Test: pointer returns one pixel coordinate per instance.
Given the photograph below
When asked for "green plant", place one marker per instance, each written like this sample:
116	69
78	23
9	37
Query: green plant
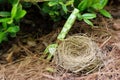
9	20
87	9
70	9
91	7
56	8
83	10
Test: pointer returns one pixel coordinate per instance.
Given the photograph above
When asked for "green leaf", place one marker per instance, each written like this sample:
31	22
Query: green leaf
5	19
97	6
69	2
83	5
14	8
13	29
52	3
51	49
13	11
79	17
21	14
4	25
89	15
88	22
105	13
3	36
96	1
10	21
64	7
46	8
14	2
103	2
90	3
4	14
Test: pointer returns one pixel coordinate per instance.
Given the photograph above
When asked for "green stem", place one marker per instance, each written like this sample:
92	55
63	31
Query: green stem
70	21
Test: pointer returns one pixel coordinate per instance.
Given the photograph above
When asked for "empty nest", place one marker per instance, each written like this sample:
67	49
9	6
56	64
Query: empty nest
78	54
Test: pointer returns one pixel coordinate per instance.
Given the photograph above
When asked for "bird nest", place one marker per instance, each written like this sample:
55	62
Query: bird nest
78	54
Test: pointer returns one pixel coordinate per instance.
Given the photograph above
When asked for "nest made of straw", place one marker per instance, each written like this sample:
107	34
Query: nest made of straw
78	53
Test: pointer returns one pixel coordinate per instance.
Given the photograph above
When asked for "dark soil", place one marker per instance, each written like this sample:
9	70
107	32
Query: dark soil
20	57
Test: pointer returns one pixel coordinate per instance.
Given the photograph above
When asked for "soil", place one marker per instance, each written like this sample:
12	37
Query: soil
21	57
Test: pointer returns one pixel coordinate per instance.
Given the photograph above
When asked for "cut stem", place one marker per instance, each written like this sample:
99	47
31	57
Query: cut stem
70	21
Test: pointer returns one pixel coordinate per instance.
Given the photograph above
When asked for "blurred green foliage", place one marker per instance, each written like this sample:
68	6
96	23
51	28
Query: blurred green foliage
87	8
9	19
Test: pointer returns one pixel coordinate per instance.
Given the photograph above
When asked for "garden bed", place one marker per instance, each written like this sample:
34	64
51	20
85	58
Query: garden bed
22	55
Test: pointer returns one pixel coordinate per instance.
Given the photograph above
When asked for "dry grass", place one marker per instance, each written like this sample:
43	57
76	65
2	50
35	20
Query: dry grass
33	68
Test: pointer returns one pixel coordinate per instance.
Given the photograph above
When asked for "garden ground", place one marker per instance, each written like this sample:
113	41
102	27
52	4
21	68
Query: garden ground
20	58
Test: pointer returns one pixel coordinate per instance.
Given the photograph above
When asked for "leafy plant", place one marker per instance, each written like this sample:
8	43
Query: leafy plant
70	9
56	8
92	6
83	10
9	20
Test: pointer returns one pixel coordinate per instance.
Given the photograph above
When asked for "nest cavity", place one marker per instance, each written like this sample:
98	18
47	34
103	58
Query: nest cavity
78	53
